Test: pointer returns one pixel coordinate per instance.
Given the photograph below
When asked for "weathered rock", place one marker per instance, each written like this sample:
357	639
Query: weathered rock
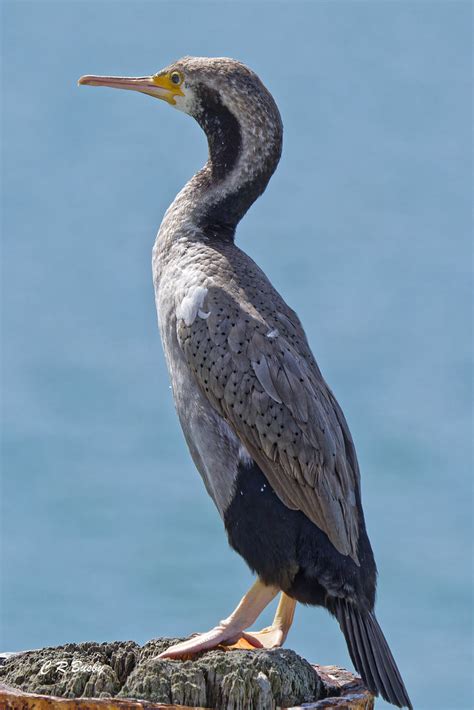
218	679
73	670
121	674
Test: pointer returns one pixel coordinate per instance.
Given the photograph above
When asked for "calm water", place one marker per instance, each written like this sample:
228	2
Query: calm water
107	530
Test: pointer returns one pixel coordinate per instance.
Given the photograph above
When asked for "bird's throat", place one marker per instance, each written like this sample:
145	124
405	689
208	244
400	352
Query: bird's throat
244	151
238	169
223	133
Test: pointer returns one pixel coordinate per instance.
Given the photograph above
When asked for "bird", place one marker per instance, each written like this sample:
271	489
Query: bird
263	428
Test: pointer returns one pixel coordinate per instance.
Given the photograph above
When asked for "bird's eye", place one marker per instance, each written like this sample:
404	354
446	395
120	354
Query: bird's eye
176	77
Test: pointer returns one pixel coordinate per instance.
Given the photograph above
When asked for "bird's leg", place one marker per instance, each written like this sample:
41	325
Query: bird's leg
274	636
229	631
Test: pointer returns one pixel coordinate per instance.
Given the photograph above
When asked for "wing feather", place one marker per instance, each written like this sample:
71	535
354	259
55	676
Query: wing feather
262	378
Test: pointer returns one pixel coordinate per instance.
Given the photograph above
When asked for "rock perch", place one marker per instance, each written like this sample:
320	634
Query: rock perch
122	675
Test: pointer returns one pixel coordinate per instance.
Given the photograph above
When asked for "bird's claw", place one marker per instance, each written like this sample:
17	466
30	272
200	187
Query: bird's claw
270	637
218	636
227	639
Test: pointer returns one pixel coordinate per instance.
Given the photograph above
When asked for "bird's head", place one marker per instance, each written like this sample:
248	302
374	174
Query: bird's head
191	83
236	111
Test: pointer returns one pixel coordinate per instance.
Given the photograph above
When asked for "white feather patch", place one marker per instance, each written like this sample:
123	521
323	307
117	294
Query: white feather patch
191	305
244	456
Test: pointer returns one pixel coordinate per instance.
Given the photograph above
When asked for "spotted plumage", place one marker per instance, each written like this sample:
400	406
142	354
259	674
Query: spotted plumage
271	392
264	430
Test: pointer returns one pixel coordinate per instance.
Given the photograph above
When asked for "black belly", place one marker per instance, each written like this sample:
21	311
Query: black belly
287	550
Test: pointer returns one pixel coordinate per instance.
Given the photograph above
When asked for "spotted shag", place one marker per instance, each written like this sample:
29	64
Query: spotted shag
264	430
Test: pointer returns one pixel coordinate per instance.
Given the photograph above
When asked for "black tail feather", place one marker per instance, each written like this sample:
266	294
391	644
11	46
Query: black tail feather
370	653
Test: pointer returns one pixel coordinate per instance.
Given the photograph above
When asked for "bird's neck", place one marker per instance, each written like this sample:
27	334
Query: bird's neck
242	158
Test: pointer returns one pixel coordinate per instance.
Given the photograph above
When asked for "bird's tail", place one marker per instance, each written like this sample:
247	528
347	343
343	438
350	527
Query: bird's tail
370	653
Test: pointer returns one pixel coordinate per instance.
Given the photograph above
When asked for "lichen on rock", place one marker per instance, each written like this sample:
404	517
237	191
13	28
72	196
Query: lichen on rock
237	680
225	680
93	670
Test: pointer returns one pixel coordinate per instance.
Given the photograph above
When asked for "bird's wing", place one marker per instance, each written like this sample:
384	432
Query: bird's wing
259	374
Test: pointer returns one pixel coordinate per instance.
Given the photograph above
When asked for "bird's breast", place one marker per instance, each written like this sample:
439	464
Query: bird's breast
215	449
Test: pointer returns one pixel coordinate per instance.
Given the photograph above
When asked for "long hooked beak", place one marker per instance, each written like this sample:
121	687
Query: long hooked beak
158	86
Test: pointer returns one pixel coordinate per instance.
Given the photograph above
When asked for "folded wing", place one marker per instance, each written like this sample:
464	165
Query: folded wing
260	375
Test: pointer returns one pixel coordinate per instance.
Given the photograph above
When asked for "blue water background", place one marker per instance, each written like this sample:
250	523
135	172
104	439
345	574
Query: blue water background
107	530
